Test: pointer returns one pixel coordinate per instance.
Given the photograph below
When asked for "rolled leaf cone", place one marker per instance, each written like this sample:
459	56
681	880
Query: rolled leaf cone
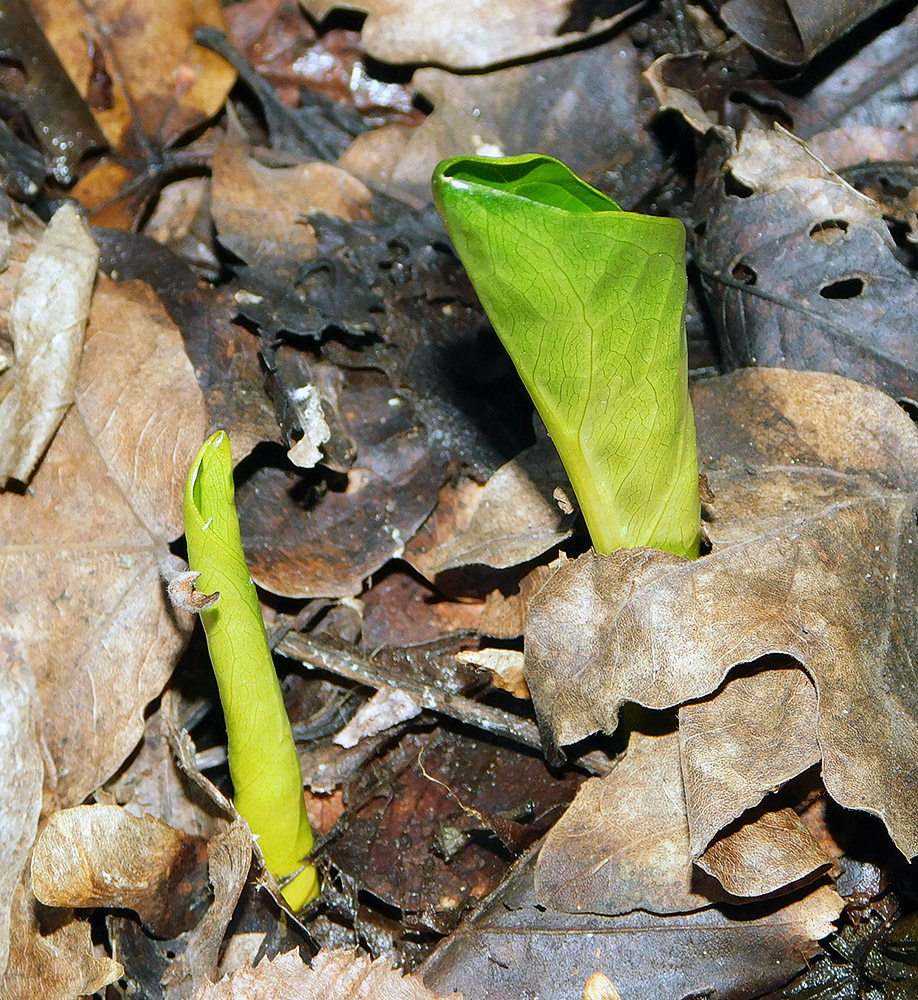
263	763
589	302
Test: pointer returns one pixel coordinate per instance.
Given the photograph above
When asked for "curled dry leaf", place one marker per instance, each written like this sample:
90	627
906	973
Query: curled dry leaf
509	520
802	273
20	790
471	36
47	320
624	845
333	975
815	556
85	608
765	856
55	957
105	856
729	766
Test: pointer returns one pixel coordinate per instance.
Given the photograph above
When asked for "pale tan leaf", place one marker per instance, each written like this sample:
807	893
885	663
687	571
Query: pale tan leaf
769	854
20	789
102	855
54	954
728	766
79	553
333	975
623	843
473	35
47	321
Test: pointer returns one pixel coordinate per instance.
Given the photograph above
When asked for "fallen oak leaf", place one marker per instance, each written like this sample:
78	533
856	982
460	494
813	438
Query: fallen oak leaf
624	845
832	582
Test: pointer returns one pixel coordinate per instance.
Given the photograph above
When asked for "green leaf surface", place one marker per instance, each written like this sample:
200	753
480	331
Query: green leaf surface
589	302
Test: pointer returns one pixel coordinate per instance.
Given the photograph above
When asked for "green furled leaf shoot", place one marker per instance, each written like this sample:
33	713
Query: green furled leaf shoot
589	302
263	764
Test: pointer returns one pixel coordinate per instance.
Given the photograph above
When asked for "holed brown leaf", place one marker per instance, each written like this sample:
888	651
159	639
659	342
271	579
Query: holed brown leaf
815	534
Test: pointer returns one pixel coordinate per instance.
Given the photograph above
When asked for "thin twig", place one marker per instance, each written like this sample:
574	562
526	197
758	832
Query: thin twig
322	656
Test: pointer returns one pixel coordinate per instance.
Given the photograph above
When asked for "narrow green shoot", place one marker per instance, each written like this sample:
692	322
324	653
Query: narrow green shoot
589	302
263	763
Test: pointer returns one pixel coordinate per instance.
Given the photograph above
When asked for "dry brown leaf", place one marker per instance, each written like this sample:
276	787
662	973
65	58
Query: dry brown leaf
47	320
624	845
85	607
55	958
465	36
260	212
804	273
793	31
105	856
334	975
229	859
513	947
825	465
767	855
20	789
509	520
729	766
147	48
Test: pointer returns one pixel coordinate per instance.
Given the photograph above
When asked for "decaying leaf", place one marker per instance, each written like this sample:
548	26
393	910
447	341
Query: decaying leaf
803	274
20	790
560	106
47	321
768	855
304	543
513	946
260	213
48	98
793	31
511	519
728	766
105	856
54	953
147	50
815	556
473	36
333	975
623	844
79	552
